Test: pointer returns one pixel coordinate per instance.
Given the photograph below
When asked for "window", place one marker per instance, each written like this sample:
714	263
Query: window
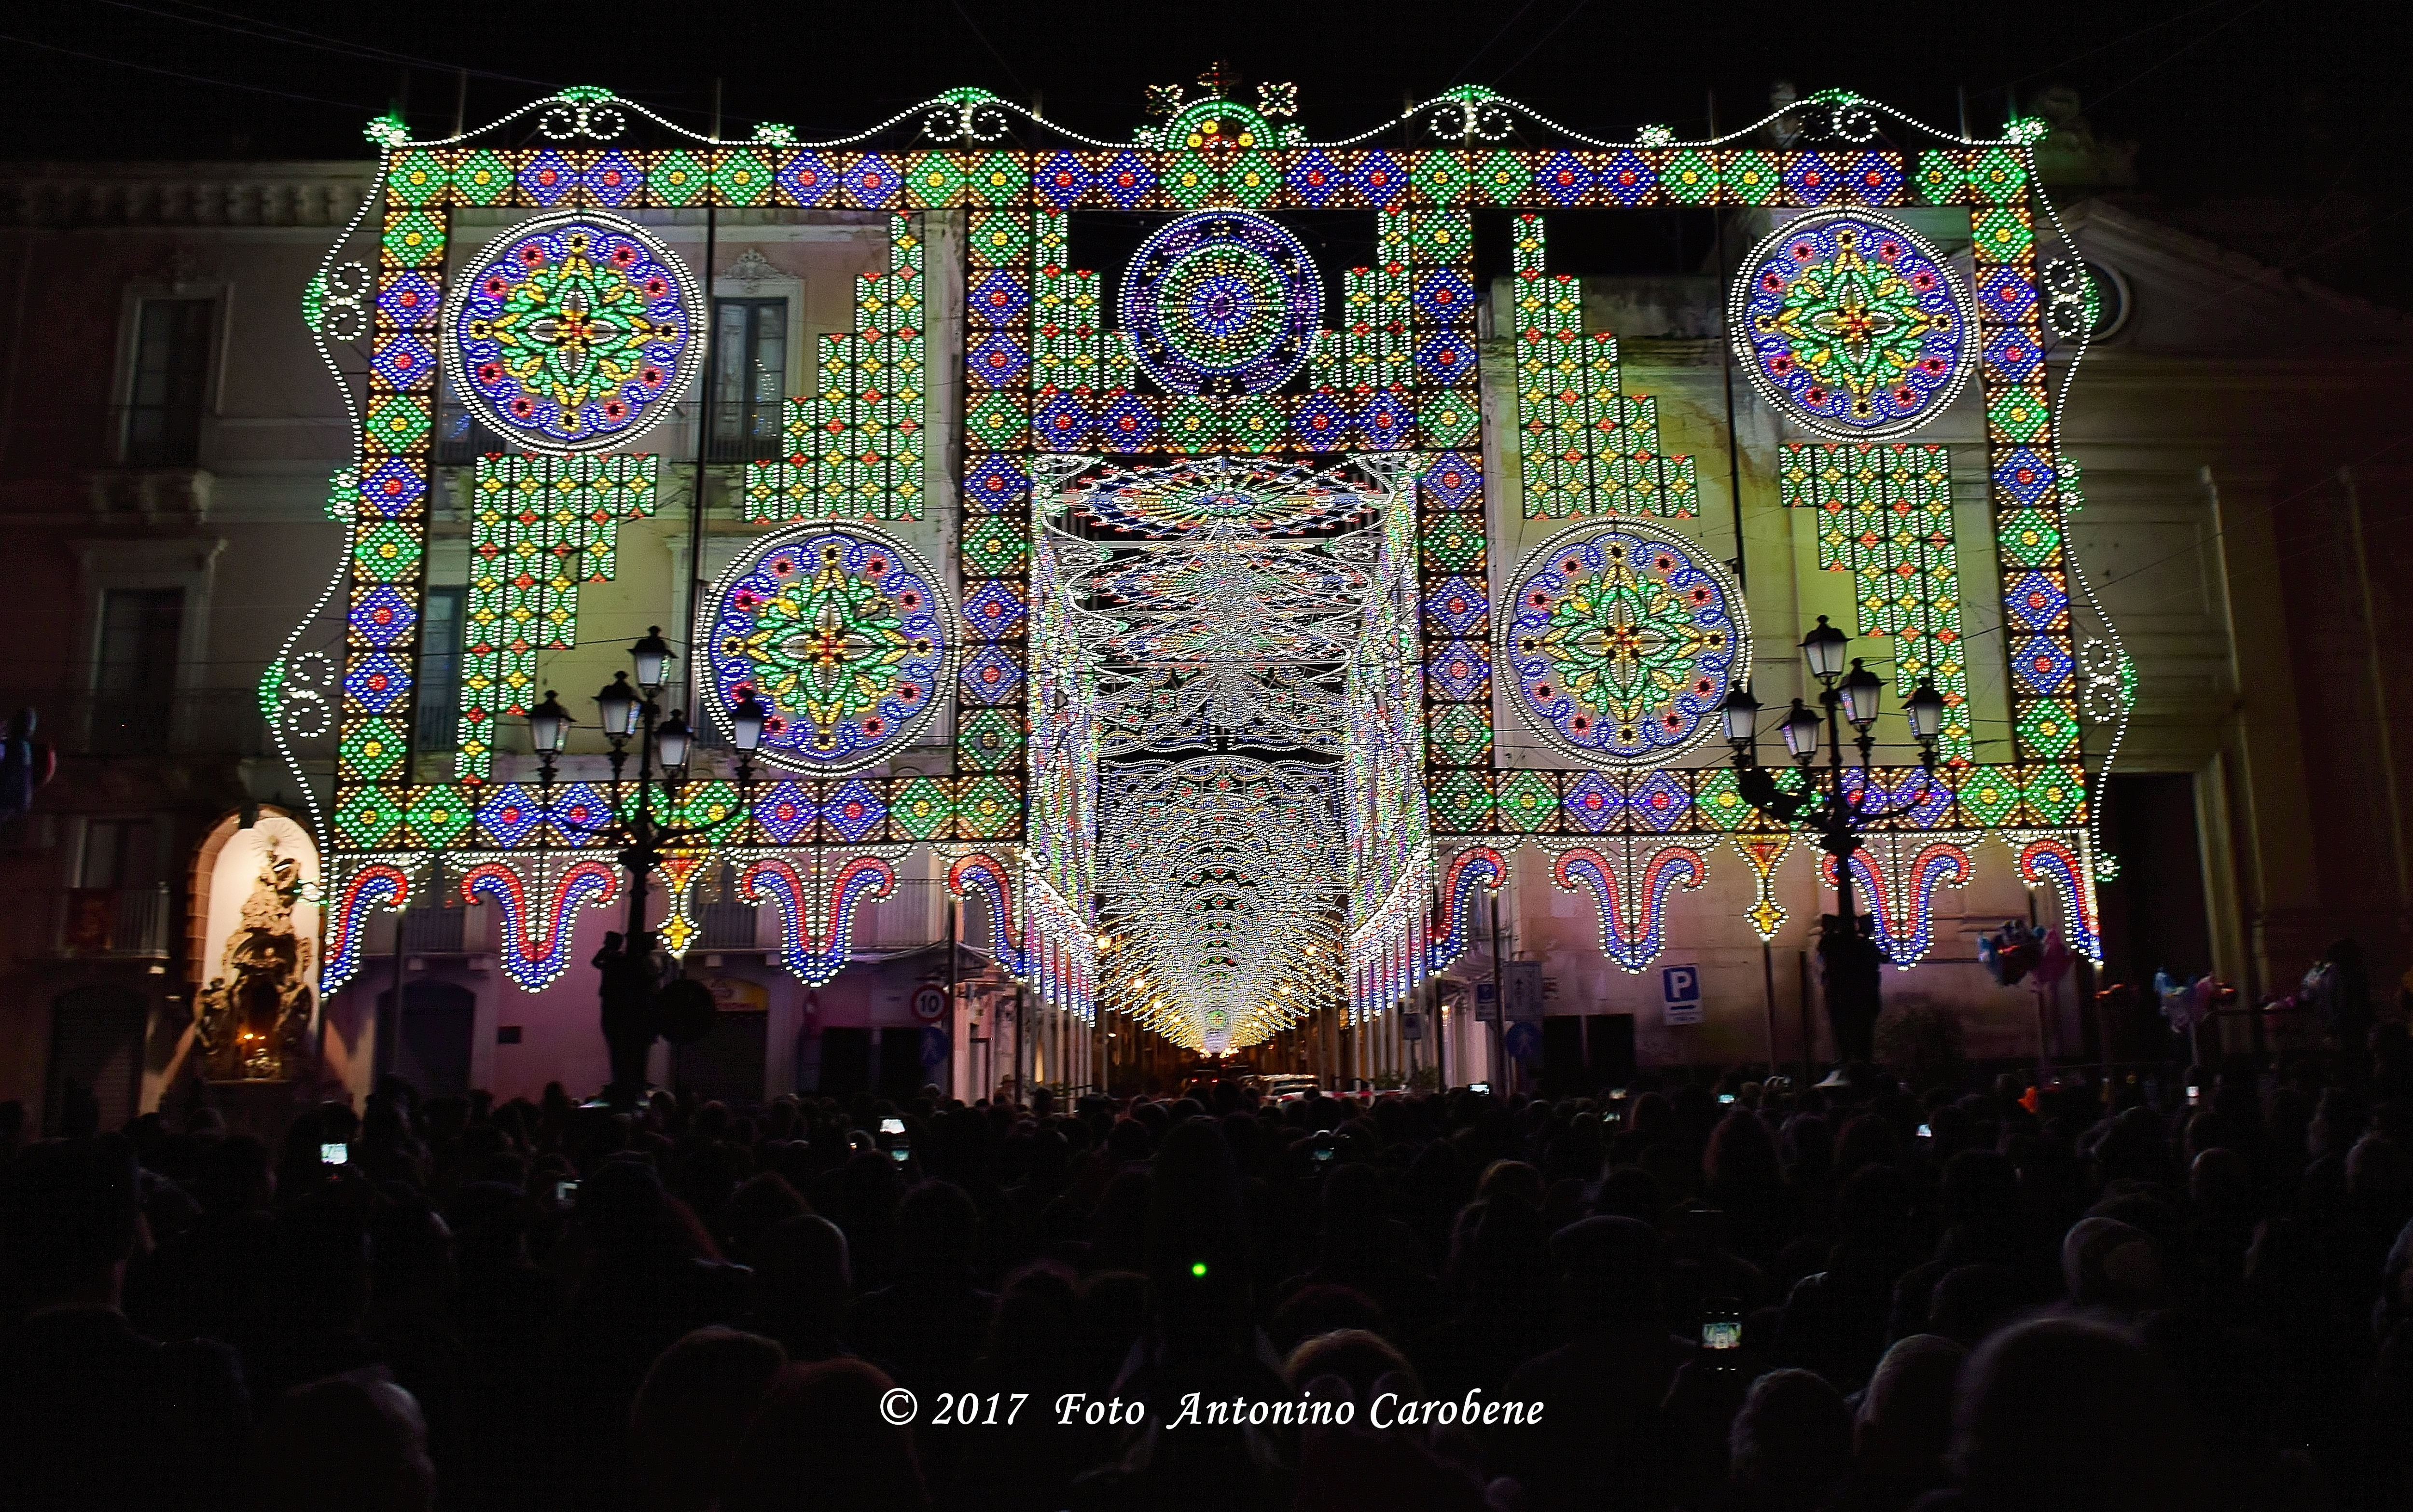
750	377
121	854
440	644
460	437
2110	302
134	679
171	365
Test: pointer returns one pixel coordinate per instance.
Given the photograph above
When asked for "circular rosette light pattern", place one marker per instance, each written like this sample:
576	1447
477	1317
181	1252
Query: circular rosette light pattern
1623	640
1853	324
572	333
1221	302
842	633
1258	494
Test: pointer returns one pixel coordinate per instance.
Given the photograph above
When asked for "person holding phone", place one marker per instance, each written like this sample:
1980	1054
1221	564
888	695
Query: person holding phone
1603	1442
894	1139
1721	1332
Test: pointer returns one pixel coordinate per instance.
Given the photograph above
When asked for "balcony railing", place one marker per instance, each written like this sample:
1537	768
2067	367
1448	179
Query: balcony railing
745	433
434	932
460	439
123	922
731	927
913	916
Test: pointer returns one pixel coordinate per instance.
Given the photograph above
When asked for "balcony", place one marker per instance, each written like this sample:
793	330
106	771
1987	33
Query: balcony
745	433
460	440
150	494
114	923
913	916
730	927
435	932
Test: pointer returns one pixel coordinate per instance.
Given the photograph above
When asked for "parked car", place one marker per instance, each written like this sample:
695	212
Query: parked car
1282	1089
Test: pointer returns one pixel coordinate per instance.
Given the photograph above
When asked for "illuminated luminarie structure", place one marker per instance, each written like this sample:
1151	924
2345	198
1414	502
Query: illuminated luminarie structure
1229	626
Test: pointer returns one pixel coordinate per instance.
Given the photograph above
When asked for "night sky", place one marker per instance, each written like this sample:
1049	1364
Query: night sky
2227	99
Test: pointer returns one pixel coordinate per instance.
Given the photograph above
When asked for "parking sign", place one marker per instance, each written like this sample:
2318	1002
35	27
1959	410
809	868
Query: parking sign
1680	993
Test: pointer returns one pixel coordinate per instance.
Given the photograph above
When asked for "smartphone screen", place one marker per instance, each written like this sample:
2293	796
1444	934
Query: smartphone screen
900	1152
334	1154
1720	1325
892	1125
1926	1131
1482	1087
564	1194
1725	1096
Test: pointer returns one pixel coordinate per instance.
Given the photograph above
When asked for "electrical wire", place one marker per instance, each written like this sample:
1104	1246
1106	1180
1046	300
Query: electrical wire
318	41
171	73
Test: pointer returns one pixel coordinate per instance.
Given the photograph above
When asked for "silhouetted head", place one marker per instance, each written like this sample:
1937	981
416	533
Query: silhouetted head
1791	1444
1904	1427
937	1229
1609	1268
349	1444
692	1414
2072	1414
2107	1263
67	1210
820	1440
1354	1356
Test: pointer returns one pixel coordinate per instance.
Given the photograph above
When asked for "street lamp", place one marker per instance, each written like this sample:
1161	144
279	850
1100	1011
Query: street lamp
1861	693
548	729
1925	706
629	978
1823	649
745	723
652	655
1741	712
619	705
671	741
1839	811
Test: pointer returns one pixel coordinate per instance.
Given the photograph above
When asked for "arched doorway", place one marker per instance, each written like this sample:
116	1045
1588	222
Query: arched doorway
96	1044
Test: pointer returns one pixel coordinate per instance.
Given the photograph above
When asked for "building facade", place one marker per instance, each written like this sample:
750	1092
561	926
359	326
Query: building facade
183	483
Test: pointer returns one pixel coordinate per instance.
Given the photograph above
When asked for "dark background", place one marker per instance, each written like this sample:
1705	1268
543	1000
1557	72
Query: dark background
2294	112
2217	94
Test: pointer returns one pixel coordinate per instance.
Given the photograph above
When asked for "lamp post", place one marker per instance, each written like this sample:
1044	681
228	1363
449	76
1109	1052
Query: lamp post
632	713
1832	812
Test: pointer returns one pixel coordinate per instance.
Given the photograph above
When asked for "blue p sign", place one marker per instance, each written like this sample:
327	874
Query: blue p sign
1680	993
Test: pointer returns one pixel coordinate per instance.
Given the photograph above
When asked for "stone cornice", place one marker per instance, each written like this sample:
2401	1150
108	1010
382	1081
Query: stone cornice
71	194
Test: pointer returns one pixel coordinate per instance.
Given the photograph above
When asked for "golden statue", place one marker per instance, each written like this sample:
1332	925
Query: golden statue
253	1017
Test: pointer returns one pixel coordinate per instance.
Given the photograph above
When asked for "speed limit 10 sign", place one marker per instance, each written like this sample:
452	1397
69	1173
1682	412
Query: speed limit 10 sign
929	1002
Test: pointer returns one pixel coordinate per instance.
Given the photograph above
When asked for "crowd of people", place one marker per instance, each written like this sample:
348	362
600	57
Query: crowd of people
1699	1291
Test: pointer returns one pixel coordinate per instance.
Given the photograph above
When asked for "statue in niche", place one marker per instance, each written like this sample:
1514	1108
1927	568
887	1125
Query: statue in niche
253	1019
